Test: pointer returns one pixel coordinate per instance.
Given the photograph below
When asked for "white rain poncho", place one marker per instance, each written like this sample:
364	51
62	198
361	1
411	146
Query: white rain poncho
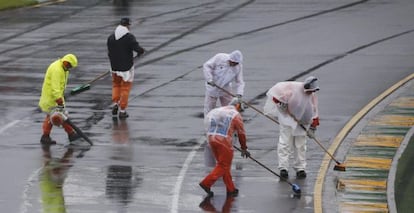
301	105
218	70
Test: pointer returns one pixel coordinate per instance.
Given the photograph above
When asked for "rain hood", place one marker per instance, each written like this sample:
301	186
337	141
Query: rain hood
120	31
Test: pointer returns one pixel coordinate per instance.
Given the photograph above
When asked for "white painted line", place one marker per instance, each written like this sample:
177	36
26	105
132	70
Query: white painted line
26	205
4	128
180	178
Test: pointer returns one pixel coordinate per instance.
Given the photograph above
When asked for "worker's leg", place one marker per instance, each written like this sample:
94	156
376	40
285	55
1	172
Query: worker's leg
300	153
116	88
209	103
125	90
46	129
225	160
284	147
219	169
47	125
225	99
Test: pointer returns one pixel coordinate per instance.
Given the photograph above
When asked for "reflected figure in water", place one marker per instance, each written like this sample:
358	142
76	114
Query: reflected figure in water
207	206
121	3
119	183
121	7
121	180
52	177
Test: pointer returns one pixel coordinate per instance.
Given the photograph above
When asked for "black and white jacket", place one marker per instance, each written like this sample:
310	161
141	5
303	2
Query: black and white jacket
121	45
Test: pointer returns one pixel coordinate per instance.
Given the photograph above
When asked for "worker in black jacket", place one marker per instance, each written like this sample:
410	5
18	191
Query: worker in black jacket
121	46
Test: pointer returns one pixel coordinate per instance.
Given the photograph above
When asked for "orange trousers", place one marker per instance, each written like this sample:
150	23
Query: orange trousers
47	126
224	157
120	91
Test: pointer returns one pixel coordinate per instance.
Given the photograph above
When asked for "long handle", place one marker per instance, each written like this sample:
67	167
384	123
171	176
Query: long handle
87	85
244	102
295	187
261	164
68	121
98	77
105	73
313	137
304	128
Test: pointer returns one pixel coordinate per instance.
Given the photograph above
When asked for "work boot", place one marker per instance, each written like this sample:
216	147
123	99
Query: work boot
73	136
301	174
233	193
46	140
284	174
123	115
207	190
115	110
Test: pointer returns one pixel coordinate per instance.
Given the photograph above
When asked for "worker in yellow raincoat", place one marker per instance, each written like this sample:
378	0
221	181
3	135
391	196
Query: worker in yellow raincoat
53	89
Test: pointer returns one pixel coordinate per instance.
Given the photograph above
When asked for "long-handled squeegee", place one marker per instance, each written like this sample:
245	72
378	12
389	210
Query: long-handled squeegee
87	85
338	167
295	187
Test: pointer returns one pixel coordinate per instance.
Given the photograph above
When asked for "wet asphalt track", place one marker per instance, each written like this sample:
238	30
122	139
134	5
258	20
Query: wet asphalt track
153	161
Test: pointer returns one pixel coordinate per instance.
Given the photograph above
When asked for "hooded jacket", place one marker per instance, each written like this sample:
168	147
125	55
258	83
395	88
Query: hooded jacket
54	85
218	70
121	45
303	106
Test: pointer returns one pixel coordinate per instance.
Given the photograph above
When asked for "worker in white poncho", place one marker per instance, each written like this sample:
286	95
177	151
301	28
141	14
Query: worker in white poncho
295	104
226	71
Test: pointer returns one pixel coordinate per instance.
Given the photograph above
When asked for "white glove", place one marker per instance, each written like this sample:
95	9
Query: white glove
63	110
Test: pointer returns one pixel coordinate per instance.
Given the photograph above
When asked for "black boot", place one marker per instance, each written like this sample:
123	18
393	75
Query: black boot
233	193
115	111
301	174
123	115
284	174
207	190
46	140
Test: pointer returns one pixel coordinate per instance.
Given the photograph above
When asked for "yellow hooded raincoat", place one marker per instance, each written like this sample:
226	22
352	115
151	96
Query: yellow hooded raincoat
54	85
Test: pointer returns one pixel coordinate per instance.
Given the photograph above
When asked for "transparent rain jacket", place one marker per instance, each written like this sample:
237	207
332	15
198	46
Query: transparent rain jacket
218	70
303	106
221	124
